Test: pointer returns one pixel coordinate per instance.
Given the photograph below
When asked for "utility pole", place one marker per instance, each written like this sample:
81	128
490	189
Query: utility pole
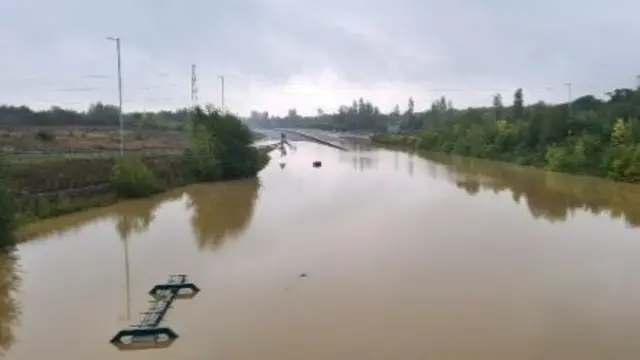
117	40
194	87
638	81
568	85
221	91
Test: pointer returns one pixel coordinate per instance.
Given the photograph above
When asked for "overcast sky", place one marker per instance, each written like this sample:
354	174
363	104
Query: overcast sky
278	54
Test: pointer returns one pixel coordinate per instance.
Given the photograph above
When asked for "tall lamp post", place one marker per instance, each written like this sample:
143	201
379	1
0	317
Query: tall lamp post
221	91
117	41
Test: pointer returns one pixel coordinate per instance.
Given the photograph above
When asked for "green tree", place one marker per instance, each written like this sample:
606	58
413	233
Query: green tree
132	178
7	207
518	105
498	107
220	147
599	138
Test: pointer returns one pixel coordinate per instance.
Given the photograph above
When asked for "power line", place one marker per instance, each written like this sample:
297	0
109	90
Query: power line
80	89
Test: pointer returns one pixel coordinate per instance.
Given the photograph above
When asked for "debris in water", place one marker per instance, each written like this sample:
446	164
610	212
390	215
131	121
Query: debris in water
317	164
149	333
303	275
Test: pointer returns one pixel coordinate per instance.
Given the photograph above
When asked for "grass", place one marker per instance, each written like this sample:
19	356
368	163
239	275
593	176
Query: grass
66	138
35	158
68	206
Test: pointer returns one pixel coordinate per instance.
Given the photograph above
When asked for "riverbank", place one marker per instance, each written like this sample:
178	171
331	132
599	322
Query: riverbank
618	161
53	187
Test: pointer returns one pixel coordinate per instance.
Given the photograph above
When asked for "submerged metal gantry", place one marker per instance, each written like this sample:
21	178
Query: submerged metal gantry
148	334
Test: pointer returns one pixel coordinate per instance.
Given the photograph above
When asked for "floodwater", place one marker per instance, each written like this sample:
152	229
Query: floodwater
404	257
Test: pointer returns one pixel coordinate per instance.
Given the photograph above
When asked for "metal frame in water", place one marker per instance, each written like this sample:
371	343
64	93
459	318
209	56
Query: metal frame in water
148	334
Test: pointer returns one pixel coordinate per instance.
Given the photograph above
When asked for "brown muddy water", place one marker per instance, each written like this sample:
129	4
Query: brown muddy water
405	257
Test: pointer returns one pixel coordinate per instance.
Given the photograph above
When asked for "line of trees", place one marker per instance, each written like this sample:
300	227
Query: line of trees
96	115
359	115
587	136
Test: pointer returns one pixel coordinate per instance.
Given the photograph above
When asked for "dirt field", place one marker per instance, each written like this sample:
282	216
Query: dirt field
87	138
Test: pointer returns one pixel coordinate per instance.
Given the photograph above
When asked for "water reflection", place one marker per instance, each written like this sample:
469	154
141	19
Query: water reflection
548	195
361	158
9	306
130	217
135	217
221	211
410	164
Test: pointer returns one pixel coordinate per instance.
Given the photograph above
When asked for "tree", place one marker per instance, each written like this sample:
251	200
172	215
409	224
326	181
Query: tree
410	106
220	147
599	138
498	108
518	105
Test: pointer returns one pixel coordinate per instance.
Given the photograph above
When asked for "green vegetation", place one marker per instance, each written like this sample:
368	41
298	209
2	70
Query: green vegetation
132	178
96	115
44	209
219	148
360	115
588	136
7	207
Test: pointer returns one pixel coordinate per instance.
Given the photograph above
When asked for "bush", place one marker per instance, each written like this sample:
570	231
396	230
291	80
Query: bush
44	135
131	178
220	147
7	207
201	165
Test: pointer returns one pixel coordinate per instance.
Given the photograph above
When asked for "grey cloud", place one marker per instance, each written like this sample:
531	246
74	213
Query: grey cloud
434	44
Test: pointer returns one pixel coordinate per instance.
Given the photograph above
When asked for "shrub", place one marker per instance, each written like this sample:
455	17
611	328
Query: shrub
44	135
7	207
201	164
131	178
220	147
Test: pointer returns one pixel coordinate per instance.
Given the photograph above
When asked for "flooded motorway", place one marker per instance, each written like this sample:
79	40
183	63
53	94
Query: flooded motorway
378	254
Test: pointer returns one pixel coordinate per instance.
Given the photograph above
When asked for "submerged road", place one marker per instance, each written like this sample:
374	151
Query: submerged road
375	255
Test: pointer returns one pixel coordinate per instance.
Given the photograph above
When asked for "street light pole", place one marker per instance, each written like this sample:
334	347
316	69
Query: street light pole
222	90
117	40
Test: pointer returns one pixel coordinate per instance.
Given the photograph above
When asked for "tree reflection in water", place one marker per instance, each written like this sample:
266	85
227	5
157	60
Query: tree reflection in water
548	195
361	158
131	216
221	211
135	216
9	306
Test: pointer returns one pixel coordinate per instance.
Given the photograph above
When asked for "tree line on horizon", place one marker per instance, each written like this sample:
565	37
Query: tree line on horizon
97	114
591	136
361	114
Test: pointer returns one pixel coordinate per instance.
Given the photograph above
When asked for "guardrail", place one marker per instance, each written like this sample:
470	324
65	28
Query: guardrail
316	139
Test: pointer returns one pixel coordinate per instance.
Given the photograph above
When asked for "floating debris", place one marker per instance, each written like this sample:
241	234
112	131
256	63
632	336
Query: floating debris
317	164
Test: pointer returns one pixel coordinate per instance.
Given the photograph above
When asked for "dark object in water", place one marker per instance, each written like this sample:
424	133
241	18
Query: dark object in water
148	334
317	164
303	275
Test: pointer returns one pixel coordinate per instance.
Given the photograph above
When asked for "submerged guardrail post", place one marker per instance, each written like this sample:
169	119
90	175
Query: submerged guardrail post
148	334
